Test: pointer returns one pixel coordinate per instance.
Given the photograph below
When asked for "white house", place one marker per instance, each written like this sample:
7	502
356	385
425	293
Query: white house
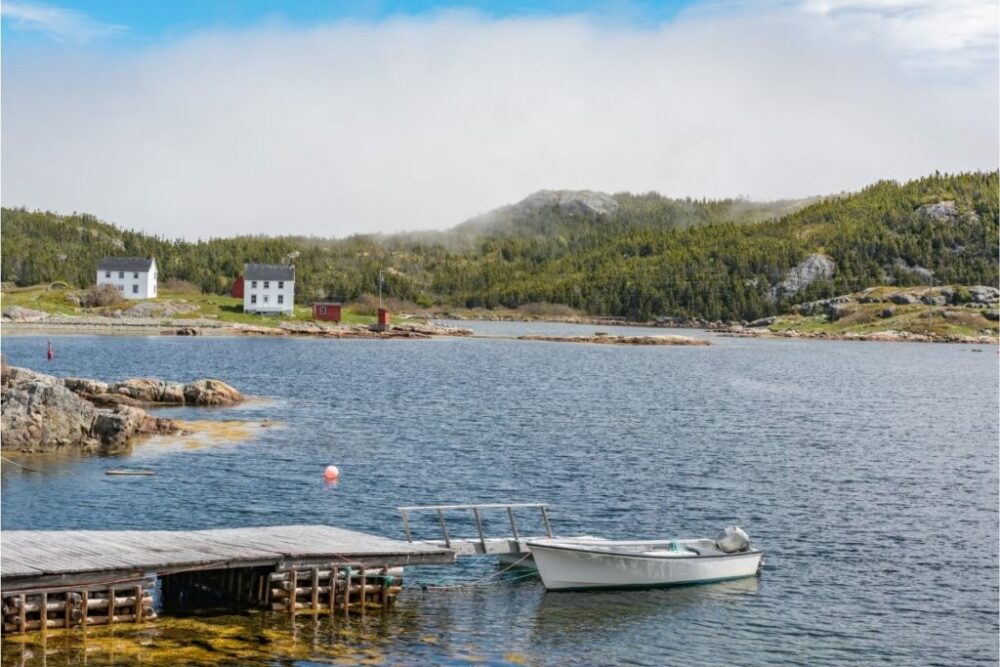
135	277
268	288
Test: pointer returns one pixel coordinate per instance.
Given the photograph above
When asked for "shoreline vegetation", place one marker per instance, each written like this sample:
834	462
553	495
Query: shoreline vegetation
825	268
624	256
943	314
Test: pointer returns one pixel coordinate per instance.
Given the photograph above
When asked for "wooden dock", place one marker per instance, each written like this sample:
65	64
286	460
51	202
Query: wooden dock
65	578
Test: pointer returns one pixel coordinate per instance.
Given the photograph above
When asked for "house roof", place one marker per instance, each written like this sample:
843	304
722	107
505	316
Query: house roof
268	272
125	264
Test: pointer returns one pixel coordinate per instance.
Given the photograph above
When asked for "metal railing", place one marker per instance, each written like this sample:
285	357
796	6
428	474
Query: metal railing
477	516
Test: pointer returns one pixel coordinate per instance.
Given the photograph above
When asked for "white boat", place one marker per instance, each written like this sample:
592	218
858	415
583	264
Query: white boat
583	564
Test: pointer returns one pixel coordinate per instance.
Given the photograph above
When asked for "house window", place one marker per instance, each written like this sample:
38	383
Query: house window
121	288
322	310
281	284
265	298
135	289
281	298
253	298
135	274
253	284
107	274
121	274
267	284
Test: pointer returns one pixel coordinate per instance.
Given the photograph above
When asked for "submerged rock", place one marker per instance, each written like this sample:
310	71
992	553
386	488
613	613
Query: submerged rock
606	339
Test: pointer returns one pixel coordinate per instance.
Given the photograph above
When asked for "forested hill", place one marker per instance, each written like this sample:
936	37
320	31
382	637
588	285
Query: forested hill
640	256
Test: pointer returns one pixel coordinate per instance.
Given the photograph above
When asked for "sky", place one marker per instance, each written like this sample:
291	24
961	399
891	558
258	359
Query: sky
200	119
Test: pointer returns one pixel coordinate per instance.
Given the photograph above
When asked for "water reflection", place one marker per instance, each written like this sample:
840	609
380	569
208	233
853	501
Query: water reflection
586	612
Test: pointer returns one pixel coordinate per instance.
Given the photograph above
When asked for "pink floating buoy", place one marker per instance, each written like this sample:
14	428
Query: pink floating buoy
331	473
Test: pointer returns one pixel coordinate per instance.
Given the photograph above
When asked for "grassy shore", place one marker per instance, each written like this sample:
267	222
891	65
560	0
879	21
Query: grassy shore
56	299
933	315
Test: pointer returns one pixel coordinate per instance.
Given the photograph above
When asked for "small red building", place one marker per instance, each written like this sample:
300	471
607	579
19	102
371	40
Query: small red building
383	319
237	290
327	311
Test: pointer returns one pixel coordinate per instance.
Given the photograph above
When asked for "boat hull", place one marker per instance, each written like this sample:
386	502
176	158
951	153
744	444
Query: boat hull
568	568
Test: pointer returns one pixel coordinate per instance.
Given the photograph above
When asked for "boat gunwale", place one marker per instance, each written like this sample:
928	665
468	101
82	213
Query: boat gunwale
594	588
605	552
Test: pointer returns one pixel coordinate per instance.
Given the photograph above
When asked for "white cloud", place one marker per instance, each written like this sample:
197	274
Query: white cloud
60	25
416	123
932	34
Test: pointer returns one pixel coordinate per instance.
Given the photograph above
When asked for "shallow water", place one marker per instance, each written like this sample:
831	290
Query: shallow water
866	471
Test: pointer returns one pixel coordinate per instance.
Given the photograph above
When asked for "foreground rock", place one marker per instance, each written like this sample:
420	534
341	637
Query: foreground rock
40	414
150	392
619	340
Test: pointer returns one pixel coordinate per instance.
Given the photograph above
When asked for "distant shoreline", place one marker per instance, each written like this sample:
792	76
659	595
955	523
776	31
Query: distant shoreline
116	327
196	328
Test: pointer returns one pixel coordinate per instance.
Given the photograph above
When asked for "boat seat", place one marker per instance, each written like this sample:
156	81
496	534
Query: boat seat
702	551
670	553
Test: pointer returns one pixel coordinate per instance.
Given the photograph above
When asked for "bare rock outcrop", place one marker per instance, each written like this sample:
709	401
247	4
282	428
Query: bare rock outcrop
159	309
569	201
22	314
812	268
211	392
566	202
150	392
944	211
40	414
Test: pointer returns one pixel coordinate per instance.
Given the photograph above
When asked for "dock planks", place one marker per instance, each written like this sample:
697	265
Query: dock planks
38	558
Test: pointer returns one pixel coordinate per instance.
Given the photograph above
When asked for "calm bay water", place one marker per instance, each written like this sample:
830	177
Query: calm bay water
866	471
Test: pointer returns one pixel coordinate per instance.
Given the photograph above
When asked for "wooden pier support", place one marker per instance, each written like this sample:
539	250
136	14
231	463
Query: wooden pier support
314	591
65	579
77	607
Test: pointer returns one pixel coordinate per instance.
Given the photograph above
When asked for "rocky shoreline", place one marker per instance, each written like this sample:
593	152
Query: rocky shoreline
888	336
43	414
848	317
23	320
607	339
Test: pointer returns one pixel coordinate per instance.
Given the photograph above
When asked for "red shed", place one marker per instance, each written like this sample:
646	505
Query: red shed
325	310
383	319
237	290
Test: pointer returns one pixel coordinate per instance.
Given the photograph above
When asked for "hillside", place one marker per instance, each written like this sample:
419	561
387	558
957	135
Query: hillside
638	256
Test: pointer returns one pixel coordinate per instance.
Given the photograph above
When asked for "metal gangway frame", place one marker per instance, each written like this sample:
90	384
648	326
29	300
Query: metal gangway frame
513	544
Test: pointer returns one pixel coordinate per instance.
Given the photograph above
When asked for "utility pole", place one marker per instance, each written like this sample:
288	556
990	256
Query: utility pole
380	281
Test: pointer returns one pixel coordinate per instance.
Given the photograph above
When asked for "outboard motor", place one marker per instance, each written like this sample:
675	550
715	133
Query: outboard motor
732	540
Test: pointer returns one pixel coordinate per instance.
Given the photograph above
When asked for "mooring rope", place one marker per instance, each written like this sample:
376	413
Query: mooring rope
485	581
19	465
